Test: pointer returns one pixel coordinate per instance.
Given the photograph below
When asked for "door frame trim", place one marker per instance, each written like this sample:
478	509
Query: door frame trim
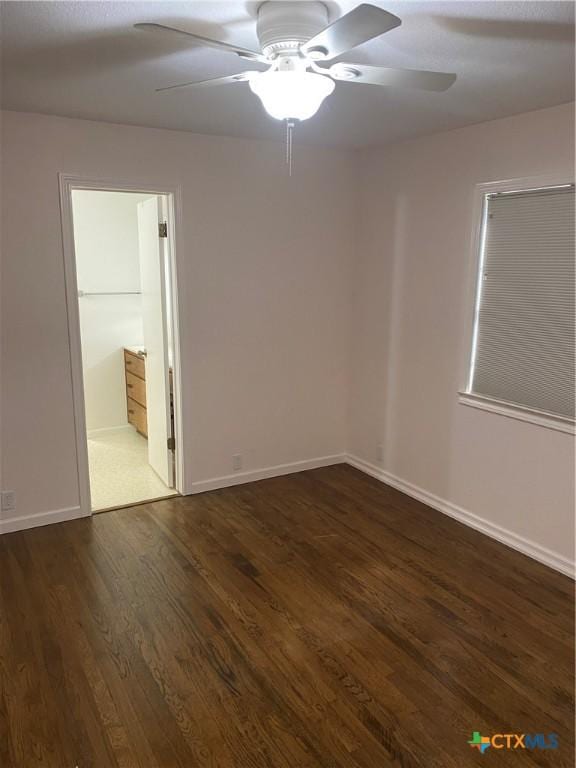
173	194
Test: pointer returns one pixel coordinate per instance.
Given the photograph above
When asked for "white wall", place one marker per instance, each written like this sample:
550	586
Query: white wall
263	276
270	269
106	244
409	341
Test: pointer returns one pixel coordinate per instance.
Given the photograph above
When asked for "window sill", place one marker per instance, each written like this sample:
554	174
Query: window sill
540	418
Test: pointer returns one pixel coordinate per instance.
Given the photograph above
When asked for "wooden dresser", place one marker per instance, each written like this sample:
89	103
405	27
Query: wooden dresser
135	370
135	374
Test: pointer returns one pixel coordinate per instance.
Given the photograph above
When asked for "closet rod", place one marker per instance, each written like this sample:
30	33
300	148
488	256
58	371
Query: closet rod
109	293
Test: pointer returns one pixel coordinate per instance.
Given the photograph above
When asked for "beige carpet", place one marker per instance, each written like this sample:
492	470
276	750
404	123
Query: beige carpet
119	469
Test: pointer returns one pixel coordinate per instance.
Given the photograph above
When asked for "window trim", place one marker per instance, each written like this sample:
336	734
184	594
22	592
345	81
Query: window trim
473	295
520	412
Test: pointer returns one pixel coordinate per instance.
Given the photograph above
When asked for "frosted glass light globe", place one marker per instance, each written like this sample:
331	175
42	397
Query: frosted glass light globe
290	94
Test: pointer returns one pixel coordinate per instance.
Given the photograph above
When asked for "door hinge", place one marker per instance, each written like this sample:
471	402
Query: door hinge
171	443
163	229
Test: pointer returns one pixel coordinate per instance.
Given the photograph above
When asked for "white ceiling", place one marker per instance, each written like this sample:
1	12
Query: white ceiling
84	59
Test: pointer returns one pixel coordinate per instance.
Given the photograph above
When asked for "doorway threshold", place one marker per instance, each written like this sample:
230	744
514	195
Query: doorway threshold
174	495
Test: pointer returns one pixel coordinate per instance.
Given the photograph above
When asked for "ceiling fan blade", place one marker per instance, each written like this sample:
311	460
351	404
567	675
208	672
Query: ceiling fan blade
245	53
398	78
241	77
354	28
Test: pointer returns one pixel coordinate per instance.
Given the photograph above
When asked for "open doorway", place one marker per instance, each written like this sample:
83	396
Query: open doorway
126	334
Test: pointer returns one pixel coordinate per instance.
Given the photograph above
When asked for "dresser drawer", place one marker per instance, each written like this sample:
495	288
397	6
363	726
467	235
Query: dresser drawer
136	388
135	364
137	417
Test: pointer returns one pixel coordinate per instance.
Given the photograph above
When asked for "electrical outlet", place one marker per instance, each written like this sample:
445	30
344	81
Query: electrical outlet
237	462
8	501
380	452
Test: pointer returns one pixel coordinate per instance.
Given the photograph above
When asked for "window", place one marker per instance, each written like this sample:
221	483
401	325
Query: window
522	357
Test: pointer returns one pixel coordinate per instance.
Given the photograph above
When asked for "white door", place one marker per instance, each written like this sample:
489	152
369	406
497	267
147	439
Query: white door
153	261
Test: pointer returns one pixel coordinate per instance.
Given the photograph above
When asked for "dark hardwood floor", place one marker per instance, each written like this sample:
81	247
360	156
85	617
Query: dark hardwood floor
319	619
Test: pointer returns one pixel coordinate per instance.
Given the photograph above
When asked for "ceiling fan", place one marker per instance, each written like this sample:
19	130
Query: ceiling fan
296	41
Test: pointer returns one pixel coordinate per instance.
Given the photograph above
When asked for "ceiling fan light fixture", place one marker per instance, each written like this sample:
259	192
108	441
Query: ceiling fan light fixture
291	94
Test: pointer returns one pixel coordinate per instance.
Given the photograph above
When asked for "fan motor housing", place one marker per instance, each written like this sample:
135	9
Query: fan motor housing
284	26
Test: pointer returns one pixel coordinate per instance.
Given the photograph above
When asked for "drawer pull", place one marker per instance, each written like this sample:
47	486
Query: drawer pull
130	410
130	386
129	362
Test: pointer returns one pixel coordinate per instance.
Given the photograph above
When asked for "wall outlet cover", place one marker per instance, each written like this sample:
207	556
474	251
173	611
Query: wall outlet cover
8	501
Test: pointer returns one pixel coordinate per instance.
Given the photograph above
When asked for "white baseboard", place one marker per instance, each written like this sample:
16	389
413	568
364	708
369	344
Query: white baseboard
104	430
13	524
526	546
238	478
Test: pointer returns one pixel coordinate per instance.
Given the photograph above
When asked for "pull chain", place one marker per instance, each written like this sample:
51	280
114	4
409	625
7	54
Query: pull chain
290	124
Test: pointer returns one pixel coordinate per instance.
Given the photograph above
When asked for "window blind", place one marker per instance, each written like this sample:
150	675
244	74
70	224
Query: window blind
524	333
